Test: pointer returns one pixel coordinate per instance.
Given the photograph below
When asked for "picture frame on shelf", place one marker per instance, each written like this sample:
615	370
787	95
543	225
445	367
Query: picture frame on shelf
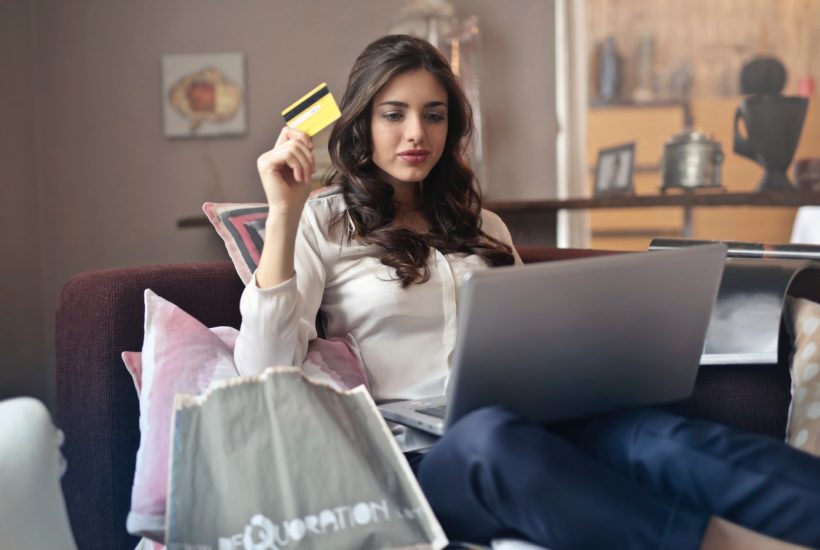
613	172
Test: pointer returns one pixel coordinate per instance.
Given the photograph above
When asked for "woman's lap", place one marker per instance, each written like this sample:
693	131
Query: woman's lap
659	474
495	474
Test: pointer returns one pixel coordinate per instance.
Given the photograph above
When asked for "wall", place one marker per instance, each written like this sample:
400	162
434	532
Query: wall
21	316
113	187
716	37
518	96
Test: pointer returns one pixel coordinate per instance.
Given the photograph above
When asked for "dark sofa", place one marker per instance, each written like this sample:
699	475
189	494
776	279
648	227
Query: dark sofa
100	314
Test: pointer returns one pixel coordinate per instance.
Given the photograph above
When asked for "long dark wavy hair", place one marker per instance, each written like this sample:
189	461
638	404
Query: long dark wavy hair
451	201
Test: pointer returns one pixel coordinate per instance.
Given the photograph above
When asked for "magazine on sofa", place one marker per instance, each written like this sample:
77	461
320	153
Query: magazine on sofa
745	327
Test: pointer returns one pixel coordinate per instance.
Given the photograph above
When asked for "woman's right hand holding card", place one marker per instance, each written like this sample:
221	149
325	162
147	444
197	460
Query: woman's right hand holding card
286	172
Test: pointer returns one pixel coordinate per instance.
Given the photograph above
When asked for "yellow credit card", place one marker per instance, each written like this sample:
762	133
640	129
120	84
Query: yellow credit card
314	112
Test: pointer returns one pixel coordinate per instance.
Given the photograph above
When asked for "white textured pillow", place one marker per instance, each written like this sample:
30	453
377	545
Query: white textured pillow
803	430
179	355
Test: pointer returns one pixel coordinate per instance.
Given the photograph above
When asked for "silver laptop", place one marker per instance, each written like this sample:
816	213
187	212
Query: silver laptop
567	339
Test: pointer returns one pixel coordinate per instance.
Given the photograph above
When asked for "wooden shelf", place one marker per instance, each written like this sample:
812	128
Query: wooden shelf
193	221
626	103
687	200
699	199
654	168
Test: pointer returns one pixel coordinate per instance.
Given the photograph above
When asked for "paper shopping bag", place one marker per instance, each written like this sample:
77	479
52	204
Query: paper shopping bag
278	462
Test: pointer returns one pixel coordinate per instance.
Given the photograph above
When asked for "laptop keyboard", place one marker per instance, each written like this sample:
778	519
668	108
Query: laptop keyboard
436	411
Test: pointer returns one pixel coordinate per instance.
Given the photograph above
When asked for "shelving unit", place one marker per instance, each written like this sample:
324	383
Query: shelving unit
516	213
624	223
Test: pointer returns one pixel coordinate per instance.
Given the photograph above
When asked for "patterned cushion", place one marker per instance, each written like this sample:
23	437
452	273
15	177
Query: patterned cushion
803	430
242	228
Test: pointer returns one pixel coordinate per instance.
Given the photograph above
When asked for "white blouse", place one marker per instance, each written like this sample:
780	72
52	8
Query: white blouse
406	336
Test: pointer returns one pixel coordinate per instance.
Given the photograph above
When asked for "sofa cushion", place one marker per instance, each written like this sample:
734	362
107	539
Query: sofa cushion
179	355
242	228
803	430
133	359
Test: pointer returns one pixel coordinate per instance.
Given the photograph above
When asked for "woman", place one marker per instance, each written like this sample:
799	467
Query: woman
380	257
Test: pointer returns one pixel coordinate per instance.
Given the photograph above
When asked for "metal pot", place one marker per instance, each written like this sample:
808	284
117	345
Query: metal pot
691	160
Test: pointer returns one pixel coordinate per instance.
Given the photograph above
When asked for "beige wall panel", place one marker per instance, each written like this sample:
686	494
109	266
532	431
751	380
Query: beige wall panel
809	145
716	116
770	225
668	219
650	127
637	244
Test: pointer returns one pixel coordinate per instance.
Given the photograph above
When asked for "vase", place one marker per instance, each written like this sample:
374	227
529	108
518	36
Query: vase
773	125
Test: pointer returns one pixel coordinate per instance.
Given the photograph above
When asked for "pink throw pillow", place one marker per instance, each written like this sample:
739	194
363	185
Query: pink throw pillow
133	364
133	359
179	355
336	362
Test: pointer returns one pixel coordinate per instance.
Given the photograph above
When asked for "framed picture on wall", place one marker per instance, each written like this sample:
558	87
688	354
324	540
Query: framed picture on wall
203	95
613	173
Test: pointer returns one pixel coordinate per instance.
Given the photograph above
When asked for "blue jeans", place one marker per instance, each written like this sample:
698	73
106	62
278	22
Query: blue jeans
637	479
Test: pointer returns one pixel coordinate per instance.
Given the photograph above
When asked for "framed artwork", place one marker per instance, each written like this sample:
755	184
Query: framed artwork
613	173
203	95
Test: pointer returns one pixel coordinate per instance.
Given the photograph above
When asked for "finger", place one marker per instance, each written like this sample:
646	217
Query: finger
297	168
283	137
276	158
294	134
297	153
271	160
305	155
266	161
298	135
308	151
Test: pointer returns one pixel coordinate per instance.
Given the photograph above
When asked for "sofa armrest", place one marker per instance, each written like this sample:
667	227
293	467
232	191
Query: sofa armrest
101	314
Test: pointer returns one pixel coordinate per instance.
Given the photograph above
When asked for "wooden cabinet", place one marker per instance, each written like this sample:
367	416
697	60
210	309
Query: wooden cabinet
650	128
